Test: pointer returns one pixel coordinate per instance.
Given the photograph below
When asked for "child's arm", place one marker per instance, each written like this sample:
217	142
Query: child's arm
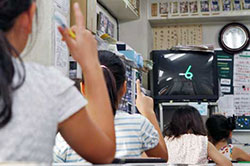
145	105
240	155
94	141
216	156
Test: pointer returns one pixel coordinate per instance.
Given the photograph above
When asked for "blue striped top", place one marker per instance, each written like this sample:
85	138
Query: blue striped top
134	135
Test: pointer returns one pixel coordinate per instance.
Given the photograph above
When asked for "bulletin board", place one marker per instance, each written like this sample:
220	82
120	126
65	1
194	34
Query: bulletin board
234	77
172	35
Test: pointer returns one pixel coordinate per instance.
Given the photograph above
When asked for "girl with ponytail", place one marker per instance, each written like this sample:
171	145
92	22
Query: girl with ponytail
220	131
136	133
36	102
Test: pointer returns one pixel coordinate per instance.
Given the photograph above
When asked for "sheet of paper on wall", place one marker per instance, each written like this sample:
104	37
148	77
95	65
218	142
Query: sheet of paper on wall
225	81
226	105
242	69
242	105
225	89
61	49
202	107
242	90
64	5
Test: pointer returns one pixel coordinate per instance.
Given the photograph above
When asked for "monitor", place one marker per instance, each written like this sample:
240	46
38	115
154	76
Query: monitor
184	76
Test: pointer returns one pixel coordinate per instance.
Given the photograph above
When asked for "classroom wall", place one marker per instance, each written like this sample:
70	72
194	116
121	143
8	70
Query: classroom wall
211	31
138	34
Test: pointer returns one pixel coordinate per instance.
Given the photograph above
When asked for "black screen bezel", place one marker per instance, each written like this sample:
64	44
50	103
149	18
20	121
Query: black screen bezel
155	56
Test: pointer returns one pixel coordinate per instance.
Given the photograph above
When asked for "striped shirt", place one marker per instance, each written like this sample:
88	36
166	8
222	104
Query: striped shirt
134	135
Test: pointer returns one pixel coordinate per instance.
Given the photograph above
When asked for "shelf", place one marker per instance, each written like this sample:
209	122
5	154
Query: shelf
123	10
204	19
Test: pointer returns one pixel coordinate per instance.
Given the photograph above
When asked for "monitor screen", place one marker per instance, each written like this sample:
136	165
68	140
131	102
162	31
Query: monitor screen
183	75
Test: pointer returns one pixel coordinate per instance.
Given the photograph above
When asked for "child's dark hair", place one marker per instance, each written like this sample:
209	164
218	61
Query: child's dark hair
219	127
9	12
114	74
185	120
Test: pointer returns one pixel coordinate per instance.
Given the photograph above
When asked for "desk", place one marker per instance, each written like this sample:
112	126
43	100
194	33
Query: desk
149	164
137	164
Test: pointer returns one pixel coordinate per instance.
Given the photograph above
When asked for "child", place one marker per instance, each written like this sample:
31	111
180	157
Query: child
36	101
135	134
219	131
187	142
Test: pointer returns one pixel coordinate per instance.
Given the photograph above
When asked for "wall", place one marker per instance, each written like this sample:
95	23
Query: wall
137	33
211	32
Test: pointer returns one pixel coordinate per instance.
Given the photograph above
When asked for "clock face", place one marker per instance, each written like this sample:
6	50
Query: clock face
234	37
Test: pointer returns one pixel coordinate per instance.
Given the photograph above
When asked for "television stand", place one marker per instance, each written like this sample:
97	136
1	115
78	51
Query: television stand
212	105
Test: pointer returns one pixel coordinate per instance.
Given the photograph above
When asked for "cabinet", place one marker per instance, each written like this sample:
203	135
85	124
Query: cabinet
123	10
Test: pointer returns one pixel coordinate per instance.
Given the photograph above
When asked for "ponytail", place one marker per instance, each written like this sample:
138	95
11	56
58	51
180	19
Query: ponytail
115	75
231	122
111	86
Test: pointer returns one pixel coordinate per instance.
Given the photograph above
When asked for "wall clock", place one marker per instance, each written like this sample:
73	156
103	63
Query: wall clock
234	38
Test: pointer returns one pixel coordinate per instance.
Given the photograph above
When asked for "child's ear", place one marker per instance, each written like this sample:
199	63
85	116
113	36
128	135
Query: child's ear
124	88
230	134
82	88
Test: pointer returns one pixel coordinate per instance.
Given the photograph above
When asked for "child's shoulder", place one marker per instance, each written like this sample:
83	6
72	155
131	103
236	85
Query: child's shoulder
122	115
188	137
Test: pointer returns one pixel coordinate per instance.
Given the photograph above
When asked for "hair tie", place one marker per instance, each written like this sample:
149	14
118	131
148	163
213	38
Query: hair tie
103	66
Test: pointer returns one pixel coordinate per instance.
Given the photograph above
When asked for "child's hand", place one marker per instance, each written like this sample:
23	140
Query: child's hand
84	47
144	103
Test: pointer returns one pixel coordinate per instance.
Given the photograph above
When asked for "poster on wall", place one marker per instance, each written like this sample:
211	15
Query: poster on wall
193	7
204	6
163	9
184	7
105	25
225	72
61	49
111	29
102	23
242	69
246	4
154	9
236	5
215	6
226	5
174	8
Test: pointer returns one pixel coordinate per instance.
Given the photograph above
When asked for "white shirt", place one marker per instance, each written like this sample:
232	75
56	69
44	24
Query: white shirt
187	149
134	135
44	100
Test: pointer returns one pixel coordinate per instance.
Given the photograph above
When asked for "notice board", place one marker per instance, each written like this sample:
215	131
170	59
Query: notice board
234	81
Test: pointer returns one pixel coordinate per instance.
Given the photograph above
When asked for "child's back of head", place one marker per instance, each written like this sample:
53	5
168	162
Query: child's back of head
186	137
185	120
219	128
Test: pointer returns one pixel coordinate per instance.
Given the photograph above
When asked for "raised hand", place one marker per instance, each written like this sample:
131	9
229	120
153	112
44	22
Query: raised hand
84	47
144	103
